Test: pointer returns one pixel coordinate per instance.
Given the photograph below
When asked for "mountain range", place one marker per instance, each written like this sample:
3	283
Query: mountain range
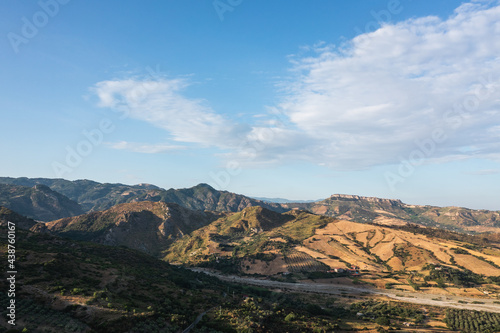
93	196
50	199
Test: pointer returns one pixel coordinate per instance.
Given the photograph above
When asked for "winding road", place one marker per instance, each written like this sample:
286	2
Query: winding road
332	289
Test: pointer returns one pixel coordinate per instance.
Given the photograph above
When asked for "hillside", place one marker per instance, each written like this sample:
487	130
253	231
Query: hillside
7	215
394	212
38	202
145	226
70	286
258	241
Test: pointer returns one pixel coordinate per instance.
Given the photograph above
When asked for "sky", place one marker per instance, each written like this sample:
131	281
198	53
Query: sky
291	99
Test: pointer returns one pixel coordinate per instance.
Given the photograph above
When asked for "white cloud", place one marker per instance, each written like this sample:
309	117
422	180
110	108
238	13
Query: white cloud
161	103
485	172
360	105
144	148
368	101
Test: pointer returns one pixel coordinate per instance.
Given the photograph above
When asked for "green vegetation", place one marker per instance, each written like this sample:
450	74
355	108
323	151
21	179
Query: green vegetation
124	287
388	311
458	250
303	225
460	278
472	321
249	235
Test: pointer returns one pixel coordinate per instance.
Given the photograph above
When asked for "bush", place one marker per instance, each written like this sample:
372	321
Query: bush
290	317
383	321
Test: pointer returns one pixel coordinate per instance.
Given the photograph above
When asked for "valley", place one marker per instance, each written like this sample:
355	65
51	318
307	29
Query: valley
335	288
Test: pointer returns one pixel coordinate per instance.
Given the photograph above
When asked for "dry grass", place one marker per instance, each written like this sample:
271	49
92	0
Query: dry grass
276	266
332	263
476	265
389	221
396	264
377	237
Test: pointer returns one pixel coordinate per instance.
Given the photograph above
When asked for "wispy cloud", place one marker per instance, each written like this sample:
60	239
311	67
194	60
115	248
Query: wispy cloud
144	148
485	172
161	103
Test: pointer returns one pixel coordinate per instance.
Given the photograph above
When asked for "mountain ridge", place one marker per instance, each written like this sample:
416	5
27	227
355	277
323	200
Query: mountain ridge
94	196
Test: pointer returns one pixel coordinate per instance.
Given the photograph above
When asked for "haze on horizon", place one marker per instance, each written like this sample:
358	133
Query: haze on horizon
391	99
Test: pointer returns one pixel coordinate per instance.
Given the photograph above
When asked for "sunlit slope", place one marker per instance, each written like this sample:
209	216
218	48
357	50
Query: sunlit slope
289	241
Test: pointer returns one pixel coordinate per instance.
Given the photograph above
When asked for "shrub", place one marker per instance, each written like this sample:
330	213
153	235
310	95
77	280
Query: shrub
383	321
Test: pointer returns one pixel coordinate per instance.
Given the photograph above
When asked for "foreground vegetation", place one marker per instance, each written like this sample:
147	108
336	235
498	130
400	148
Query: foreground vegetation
472	321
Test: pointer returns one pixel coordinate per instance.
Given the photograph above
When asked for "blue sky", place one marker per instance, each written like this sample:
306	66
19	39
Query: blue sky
293	99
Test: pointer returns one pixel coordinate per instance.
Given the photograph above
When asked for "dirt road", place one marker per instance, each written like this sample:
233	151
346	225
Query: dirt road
332	289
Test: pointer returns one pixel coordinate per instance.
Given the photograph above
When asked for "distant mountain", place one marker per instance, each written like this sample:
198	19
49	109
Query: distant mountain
395	212
282	200
205	197
94	196
38	202
146	226
257	240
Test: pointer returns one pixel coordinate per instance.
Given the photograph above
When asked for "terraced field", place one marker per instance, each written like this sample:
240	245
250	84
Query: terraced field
302	262
378	248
